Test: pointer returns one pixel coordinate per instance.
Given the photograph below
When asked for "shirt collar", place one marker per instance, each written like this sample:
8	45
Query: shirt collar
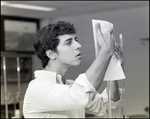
51	76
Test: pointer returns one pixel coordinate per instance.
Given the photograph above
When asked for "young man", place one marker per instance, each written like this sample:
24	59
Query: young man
50	94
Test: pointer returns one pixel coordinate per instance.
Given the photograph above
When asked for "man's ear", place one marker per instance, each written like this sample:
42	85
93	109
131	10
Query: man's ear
51	54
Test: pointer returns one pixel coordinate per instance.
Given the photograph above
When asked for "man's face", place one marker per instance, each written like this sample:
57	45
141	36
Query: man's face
68	50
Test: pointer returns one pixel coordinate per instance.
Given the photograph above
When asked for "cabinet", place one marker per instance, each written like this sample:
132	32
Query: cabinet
16	68
24	67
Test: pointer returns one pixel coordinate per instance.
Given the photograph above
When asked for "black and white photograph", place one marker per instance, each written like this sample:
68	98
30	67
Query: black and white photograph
74	59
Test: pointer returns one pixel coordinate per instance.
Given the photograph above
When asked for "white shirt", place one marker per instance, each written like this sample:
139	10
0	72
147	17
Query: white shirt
47	97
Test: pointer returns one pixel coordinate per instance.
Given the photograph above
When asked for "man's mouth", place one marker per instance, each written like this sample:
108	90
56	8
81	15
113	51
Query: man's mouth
78	55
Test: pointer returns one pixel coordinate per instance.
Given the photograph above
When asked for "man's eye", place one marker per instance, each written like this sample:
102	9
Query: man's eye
68	43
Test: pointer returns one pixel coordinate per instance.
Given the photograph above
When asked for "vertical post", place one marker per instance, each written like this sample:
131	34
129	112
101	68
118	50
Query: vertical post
109	99
18	76
18	73
5	86
14	103
123	82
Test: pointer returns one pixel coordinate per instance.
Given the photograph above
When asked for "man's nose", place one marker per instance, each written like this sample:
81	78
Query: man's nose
77	45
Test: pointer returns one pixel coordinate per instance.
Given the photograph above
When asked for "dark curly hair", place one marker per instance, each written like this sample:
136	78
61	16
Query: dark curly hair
47	38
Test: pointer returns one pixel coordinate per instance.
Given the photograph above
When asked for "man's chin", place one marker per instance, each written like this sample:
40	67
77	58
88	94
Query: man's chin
77	64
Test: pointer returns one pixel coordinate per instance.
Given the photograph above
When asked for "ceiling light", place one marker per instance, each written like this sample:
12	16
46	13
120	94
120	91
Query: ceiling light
32	7
3	3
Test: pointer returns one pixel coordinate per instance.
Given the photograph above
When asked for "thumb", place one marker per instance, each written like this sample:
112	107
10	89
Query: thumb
98	29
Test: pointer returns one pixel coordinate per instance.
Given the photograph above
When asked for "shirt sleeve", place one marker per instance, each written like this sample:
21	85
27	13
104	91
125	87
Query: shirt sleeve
87	86
99	105
59	97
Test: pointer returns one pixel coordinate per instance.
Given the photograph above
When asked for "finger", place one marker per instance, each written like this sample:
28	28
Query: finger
99	35
118	47
120	54
117	55
120	58
111	31
98	29
113	38
118	51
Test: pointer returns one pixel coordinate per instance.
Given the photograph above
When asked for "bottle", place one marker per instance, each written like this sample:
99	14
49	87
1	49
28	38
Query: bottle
17	114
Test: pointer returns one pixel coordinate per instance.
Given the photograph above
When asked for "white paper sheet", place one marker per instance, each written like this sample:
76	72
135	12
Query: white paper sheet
114	70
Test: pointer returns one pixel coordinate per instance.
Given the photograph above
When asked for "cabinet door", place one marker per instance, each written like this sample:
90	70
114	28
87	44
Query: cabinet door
25	72
25	69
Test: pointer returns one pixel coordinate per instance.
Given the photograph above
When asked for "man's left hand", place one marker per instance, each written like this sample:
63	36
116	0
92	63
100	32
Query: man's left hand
119	53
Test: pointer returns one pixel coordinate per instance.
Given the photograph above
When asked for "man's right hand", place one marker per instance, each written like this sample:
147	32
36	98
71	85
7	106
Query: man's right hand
96	72
105	41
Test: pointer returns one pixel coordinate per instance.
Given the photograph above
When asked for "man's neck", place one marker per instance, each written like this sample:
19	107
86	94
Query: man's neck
62	70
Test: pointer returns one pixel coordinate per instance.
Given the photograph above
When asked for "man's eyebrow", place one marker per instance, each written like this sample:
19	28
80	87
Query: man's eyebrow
69	39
